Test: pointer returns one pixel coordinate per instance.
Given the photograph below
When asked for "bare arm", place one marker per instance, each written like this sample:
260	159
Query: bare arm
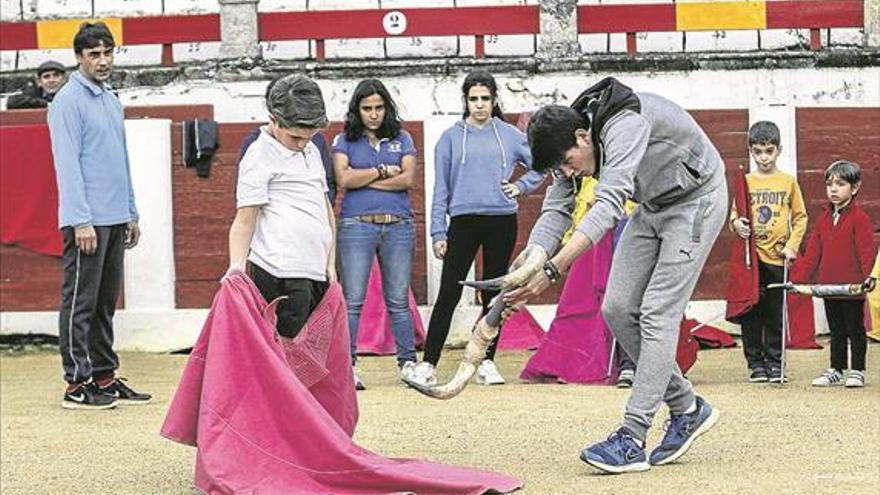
240	234
403	181
352	178
331	258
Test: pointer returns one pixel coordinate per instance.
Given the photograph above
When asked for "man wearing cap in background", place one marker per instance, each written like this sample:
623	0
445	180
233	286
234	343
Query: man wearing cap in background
284	227
38	94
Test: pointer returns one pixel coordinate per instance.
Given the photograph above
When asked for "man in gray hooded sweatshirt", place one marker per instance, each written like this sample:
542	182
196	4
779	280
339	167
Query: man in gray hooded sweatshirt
643	147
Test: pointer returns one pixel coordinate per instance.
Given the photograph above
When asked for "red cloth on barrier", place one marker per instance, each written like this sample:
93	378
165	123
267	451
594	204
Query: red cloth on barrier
28	192
374	330
259	430
742	279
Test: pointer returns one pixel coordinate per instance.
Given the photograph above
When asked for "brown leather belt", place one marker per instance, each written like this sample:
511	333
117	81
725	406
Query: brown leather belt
380	219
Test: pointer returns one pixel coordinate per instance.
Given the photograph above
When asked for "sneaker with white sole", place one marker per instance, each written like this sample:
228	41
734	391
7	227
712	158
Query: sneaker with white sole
829	378
625	378
855	379
487	374
125	394
682	430
358	383
87	396
407	370
425	374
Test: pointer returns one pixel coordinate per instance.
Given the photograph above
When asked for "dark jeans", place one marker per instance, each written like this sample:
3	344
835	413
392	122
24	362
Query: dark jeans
846	322
88	302
303	296
762	325
466	234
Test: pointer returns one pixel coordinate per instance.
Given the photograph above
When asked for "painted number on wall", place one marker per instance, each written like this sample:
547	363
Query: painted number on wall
394	23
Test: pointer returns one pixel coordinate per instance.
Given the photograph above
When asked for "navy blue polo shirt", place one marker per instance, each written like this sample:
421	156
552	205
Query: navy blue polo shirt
362	155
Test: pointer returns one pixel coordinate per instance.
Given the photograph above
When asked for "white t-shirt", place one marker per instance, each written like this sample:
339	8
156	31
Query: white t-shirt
292	238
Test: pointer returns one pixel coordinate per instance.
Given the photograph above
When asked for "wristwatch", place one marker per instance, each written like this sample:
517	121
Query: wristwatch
552	271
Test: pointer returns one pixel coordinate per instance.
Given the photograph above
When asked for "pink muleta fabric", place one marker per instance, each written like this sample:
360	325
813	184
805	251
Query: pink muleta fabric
260	430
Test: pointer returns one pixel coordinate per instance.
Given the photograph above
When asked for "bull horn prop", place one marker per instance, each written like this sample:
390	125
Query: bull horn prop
484	332
535	257
829	290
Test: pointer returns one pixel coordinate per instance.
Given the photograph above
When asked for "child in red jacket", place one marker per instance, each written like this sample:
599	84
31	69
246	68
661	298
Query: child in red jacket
841	251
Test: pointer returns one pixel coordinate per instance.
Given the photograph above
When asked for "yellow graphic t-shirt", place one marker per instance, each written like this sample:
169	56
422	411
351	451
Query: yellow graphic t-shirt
779	218
583	201
874	302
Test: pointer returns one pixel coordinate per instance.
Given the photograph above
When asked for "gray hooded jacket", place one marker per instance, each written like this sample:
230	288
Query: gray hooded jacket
657	157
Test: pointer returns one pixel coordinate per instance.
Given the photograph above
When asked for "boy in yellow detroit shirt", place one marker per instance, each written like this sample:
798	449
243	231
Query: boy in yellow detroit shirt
779	220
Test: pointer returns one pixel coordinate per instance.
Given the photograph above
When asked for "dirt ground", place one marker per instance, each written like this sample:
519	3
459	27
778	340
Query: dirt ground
770	439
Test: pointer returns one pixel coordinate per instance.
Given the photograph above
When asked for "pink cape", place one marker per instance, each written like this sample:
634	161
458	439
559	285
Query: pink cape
260	430
578	345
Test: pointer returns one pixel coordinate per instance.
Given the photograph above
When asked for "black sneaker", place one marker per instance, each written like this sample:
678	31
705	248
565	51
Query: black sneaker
758	375
776	376
87	396
124	393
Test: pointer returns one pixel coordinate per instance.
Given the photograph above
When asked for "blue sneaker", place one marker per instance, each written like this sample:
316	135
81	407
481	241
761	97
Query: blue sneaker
682	430
619	454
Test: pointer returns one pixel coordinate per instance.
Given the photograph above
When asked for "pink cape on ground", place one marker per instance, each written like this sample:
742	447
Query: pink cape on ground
578	345
259	429
374	330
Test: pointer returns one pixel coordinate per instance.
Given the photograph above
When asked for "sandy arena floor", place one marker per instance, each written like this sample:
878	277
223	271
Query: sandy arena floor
770	439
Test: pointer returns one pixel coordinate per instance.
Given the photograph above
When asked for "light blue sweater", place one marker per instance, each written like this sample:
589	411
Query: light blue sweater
471	163
91	159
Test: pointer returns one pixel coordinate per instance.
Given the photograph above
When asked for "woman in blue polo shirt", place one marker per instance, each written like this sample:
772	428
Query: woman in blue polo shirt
375	161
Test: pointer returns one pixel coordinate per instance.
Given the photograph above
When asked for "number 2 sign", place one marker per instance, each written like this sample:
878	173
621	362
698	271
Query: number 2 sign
394	22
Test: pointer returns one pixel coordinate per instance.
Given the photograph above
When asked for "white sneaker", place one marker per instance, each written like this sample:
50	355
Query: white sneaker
358	383
407	370
425	374
855	379
487	374
829	378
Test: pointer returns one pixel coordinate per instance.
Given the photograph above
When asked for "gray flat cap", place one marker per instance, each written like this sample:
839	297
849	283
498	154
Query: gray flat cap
50	65
296	100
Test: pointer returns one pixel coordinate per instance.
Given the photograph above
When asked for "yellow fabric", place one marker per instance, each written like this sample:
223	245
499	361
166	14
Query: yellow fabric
583	201
779	217
874	301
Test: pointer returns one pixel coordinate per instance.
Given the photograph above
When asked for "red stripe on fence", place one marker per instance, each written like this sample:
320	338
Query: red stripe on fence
815	14
341	24
626	18
18	36
171	29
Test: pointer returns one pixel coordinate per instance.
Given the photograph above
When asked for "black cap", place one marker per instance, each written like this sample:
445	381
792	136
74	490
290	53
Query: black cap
48	66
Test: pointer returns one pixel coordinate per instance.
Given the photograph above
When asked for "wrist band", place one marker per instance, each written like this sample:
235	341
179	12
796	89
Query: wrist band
552	271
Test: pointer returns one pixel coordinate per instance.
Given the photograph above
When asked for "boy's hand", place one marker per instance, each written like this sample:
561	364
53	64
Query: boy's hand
742	228
510	190
789	254
440	249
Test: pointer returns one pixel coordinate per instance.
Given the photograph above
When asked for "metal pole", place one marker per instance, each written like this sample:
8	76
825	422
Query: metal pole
784	321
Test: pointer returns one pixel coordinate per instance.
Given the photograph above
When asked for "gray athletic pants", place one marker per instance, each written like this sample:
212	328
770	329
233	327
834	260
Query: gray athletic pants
657	263
88	301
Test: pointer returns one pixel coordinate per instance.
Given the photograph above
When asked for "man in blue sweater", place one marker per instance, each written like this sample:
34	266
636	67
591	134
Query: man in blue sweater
98	218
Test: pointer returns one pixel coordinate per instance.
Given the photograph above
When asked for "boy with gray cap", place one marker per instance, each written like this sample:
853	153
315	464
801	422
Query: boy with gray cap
38	94
285	226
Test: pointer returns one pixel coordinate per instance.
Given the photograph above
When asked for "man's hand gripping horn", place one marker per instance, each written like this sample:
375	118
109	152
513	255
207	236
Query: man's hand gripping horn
528	263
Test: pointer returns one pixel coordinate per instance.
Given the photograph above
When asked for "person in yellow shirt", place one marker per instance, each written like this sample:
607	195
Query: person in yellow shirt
874	302
779	220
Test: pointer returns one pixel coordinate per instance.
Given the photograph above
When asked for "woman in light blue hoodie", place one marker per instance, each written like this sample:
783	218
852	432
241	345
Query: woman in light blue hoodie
474	159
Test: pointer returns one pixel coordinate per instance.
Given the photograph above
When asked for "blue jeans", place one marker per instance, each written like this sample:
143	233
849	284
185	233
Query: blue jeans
359	243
